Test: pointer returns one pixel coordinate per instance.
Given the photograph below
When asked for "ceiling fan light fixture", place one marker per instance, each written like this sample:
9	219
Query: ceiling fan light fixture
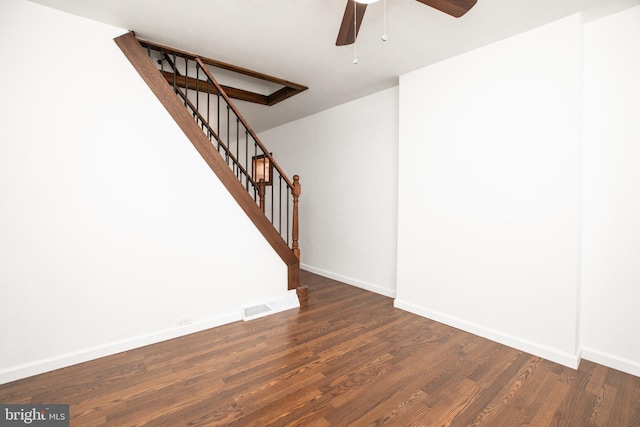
366	1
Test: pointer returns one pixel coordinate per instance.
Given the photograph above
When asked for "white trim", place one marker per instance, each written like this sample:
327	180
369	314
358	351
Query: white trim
62	361
567	359
350	281
612	361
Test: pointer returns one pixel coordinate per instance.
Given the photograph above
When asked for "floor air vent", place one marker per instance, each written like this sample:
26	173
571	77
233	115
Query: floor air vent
286	302
257	311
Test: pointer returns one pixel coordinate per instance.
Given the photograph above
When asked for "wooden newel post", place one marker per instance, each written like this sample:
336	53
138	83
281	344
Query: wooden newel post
261	186
295	191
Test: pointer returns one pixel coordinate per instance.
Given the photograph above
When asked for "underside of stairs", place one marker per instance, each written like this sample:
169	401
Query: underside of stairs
267	196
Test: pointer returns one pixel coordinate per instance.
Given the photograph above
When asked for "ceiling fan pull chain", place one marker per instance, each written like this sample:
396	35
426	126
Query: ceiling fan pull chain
384	21
355	31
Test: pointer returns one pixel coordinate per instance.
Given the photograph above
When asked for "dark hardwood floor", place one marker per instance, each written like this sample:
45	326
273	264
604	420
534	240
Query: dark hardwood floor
345	358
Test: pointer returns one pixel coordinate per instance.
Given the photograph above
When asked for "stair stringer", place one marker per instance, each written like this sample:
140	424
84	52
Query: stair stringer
165	94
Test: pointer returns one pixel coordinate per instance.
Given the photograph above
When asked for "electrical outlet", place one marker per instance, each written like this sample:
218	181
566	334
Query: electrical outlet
183	321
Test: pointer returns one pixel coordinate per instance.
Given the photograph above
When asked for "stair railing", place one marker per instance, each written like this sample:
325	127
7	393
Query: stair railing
220	120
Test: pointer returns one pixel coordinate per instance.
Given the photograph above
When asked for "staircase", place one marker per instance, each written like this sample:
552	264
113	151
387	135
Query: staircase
200	106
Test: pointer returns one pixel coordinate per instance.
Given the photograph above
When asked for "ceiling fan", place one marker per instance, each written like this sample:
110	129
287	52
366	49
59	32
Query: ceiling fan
354	13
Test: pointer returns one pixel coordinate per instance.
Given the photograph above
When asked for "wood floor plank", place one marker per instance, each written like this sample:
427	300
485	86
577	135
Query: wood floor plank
345	357
623	385
544	410
485	392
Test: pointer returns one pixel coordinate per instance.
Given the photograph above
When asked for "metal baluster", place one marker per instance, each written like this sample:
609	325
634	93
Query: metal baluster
246	153
186	78
237	142
272	204
208	108
228	131
218	129
280	204
253	172
175	74
198	95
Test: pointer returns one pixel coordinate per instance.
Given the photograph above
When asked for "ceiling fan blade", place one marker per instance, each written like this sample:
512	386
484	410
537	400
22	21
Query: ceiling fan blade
349	29
455	8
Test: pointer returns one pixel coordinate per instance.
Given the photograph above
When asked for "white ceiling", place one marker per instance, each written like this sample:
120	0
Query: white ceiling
295	39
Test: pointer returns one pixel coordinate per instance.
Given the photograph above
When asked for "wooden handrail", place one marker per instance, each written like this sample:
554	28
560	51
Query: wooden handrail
244	122
187	81
226	149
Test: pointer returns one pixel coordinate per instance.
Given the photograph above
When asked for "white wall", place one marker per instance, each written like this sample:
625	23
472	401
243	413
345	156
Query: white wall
347	161
111	225
489	191
611	201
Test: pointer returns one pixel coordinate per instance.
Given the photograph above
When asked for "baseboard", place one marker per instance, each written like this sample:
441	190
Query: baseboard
611	361
350	281
566	359
73	358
